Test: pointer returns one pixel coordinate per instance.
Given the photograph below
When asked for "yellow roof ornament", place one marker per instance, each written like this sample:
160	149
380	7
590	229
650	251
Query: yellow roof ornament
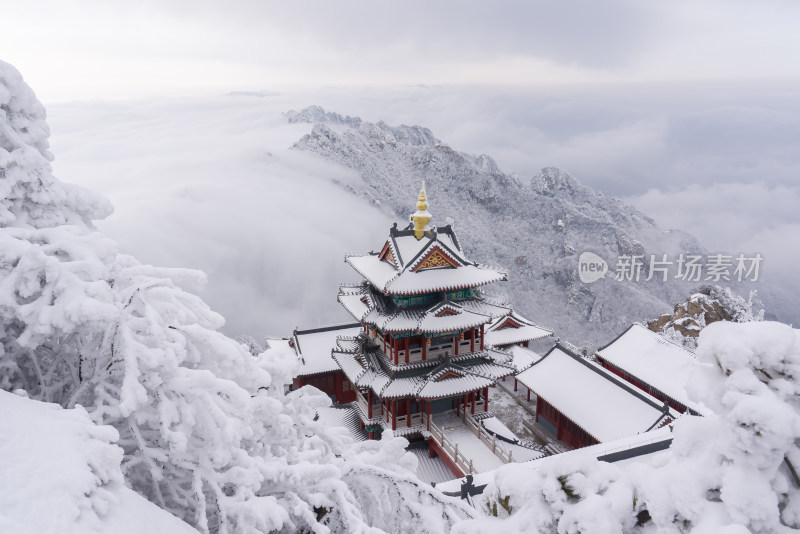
421	217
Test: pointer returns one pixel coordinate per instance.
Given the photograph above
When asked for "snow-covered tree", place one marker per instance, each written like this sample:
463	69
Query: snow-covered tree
205	427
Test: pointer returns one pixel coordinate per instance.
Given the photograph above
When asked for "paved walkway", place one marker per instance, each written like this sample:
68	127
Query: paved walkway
552	445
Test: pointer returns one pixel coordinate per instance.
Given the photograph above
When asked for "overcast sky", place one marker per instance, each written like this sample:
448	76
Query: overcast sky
690	110
85	49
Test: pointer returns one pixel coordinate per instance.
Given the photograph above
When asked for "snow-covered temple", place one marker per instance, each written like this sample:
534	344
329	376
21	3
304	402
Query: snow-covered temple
582	404
428	345
422	348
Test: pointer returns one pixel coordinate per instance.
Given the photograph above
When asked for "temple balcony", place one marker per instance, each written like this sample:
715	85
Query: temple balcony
377	406
431	352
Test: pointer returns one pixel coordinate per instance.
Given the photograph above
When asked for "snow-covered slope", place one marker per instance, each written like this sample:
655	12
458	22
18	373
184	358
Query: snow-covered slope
60	474
537	229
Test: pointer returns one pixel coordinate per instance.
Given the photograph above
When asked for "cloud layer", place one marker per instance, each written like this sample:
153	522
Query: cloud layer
210	182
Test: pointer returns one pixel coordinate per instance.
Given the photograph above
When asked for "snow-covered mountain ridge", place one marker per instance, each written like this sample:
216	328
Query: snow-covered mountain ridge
537	229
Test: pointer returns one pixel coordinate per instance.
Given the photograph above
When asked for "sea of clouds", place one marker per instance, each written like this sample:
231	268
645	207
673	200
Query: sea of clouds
212	182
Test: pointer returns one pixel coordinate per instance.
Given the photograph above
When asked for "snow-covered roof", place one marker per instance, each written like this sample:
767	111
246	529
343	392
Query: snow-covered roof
313	347
356	300
514	329
601	404
368	306
342	416
433	263
652	358
520	357
441	378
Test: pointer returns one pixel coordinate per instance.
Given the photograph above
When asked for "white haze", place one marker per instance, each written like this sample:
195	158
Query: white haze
211	183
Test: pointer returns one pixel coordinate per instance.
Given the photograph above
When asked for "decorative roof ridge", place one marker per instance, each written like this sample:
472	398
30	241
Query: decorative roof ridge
449	229
359	254
487	267
348	350
395	250
335	353
385	285
355	287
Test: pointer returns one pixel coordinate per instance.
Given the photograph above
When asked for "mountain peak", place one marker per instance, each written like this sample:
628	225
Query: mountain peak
552	181
316	114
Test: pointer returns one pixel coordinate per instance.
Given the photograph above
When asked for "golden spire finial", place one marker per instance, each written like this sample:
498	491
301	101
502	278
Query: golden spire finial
421	217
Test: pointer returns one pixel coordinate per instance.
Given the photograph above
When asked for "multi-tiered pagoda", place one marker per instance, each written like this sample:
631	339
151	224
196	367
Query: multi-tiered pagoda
421	349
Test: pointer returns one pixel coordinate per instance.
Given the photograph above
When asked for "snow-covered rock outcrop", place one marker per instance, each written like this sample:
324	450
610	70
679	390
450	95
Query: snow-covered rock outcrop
708	305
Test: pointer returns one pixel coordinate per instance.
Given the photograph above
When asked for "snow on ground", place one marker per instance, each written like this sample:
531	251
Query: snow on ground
469	444
60	473
508	410
519	453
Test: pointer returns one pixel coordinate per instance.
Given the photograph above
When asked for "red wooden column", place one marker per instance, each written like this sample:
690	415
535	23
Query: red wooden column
482	337
472	410
457	340
486	399
428	406
406	343
515	384
529	393
408	412
369	404
472	341
394	414
424	348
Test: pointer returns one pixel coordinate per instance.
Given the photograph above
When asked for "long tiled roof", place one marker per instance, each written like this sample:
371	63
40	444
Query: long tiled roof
651	358
401	276
600	403
368	306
